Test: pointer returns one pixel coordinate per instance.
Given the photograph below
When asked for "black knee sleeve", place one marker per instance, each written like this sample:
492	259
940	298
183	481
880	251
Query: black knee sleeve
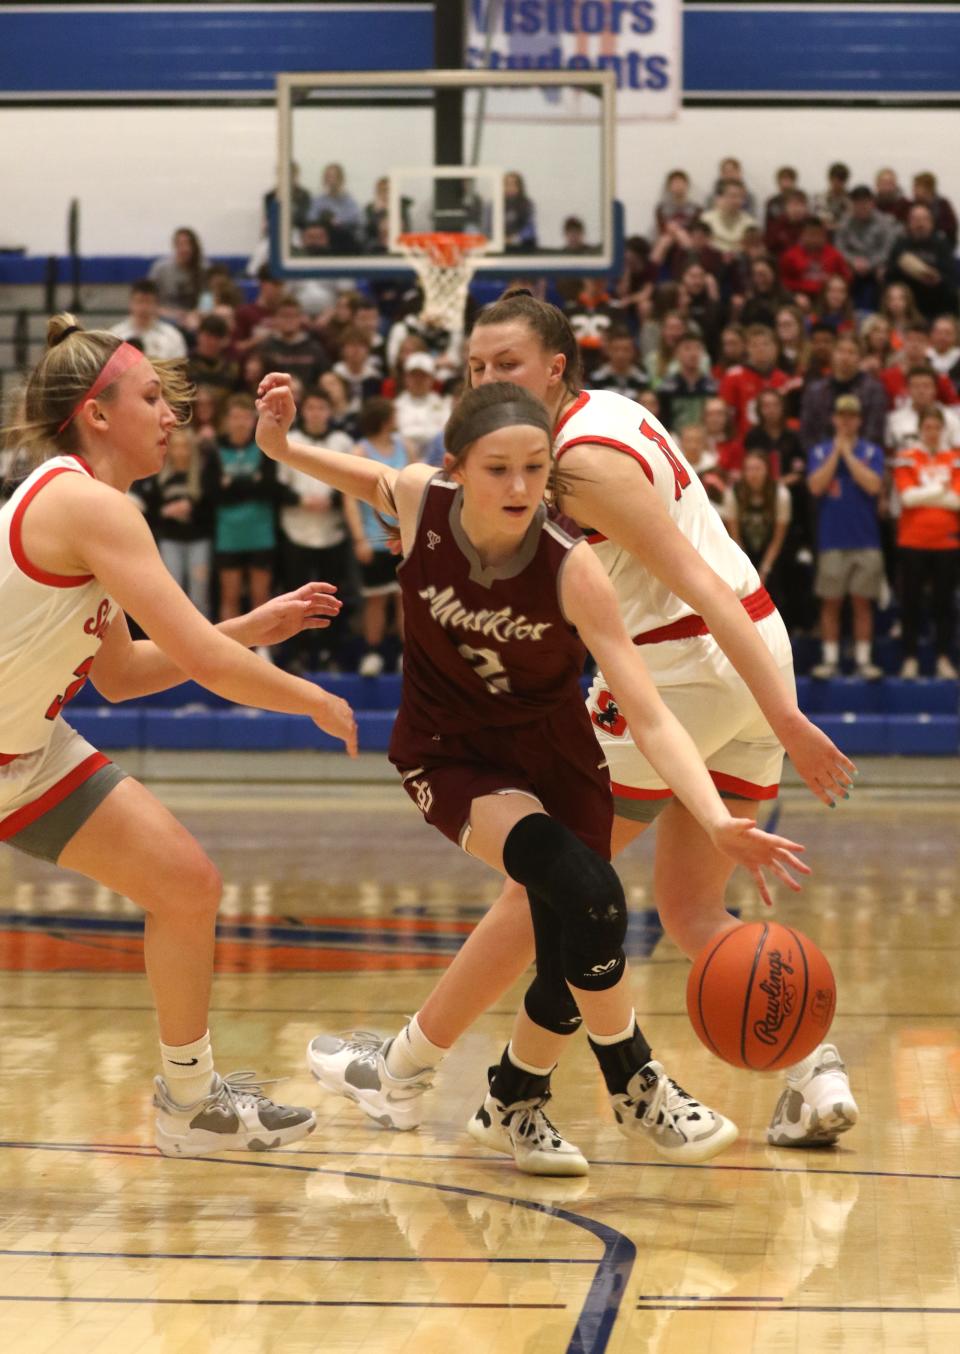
583	893
548	1000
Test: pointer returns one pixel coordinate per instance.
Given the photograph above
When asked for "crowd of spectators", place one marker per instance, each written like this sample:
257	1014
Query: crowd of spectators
803	350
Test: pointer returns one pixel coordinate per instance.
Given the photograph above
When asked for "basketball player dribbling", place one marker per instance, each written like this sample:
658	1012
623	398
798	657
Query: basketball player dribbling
75	554
720	656
495	747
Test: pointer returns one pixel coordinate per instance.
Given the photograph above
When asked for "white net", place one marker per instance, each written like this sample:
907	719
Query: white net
444	264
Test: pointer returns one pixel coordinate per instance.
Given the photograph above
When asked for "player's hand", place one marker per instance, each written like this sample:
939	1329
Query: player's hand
309	607
277	410
824	769
756	851
363	551
335	717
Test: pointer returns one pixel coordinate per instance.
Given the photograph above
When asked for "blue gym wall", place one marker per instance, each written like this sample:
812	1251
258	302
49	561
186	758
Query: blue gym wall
732	51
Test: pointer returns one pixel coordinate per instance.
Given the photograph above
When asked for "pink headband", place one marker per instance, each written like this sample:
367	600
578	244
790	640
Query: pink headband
119	361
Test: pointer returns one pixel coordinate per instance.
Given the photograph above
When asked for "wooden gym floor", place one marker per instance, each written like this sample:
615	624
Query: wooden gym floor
340	906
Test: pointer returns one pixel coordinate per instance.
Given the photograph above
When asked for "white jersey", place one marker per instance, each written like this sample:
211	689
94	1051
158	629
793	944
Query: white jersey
51	625
610	420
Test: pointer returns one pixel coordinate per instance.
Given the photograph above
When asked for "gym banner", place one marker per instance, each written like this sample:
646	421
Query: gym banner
640	40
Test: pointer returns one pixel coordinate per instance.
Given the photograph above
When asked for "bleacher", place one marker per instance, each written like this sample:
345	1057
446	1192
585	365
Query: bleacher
891	717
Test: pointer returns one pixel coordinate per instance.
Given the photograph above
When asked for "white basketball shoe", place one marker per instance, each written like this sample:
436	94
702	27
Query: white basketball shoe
353	1065
523	1131
236	1116
816	1105
680	1129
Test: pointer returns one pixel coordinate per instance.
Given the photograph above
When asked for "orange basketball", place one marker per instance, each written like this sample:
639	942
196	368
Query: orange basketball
762	996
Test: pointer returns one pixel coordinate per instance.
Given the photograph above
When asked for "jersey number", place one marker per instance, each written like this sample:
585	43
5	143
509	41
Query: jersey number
488	667
81	672
681	475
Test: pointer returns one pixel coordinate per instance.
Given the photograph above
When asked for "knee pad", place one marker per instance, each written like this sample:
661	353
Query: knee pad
583	892
549	1003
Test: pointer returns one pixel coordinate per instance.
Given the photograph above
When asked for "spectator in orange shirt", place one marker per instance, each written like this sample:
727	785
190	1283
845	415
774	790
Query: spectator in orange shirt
742	384
806	267
928	540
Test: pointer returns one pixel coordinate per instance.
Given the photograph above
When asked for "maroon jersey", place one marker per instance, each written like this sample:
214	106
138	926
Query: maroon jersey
484	647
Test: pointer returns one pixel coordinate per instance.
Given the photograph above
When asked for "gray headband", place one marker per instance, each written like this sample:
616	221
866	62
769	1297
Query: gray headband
510	414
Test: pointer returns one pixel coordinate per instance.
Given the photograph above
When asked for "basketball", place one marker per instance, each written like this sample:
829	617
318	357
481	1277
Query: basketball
762	996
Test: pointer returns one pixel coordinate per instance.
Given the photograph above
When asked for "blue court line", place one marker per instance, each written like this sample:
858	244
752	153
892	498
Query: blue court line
328	937
309	1259
290	1302
134	1150
598	1314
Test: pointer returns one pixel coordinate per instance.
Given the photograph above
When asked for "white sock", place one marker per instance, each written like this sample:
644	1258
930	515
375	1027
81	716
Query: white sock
831	651
412	1051
616	1038
528	1067
861	652
803	1068
188	1069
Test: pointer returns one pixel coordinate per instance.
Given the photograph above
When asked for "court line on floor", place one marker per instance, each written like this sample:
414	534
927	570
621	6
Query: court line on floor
308	1259
287	1302
713	1165
707	1305
604	1297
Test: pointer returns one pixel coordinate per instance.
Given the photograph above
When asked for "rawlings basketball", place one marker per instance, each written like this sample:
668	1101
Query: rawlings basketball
761	996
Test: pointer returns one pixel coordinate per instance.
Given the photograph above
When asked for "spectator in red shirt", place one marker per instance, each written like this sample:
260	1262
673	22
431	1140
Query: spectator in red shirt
944	217
716	425
890	196
928	539
912	355
741	385
806	267
784	231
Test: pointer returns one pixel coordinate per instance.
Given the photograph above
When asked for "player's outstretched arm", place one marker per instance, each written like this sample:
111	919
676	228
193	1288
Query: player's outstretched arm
125	668
591	604
104	534
610	492
353	475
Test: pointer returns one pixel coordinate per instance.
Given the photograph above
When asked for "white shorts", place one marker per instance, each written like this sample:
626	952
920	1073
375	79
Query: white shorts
717	710
45	796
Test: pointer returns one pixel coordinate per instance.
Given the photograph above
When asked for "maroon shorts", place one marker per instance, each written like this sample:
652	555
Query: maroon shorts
557	760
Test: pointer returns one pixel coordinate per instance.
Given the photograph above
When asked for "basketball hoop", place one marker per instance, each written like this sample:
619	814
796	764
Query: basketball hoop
444	262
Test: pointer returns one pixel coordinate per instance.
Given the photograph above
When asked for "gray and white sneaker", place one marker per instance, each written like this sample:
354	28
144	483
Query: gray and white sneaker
352	1064
680	1128
235	1116
524	1132
816	1105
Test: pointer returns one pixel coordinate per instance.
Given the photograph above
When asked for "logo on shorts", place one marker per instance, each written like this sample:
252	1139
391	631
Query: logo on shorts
433	540
424	795
605	968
